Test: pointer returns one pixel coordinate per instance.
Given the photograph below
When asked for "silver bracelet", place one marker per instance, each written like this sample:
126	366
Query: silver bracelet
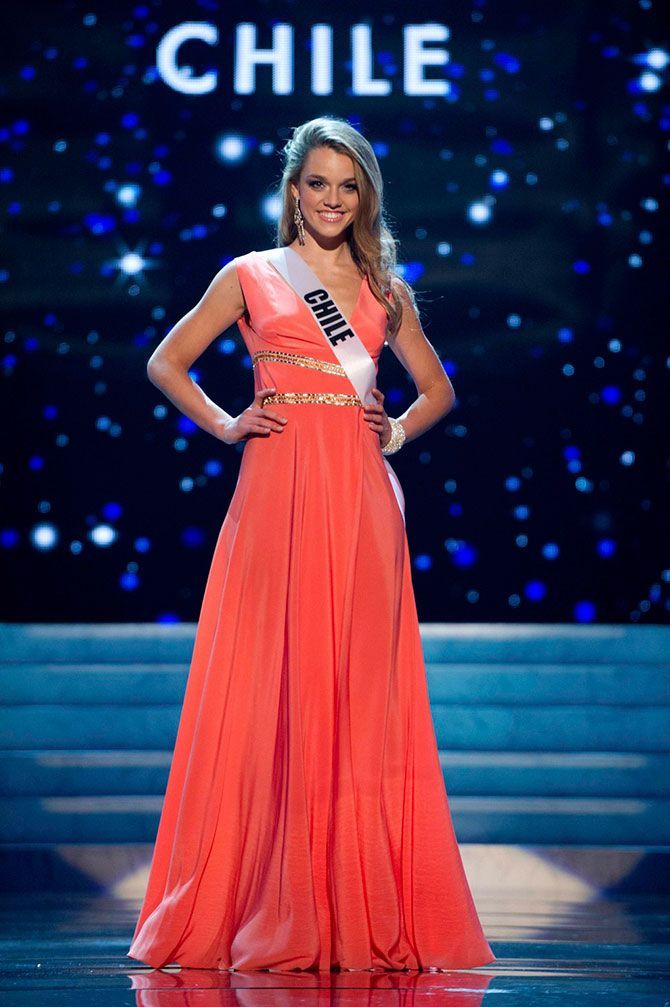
397	439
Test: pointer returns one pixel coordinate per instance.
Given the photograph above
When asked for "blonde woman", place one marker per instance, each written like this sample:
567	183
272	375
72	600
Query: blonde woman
306	823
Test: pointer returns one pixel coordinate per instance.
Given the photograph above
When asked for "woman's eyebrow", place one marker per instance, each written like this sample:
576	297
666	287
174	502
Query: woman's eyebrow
313	174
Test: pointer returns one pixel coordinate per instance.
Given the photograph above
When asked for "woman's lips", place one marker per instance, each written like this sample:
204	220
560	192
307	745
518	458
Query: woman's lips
330	218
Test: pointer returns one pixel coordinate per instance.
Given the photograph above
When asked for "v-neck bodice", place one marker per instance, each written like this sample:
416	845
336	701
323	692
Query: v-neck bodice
357	303
277	318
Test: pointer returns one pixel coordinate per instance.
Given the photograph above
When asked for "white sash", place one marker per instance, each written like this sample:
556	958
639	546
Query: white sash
338	333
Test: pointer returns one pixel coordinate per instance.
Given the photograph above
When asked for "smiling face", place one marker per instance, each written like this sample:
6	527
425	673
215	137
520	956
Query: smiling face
328	193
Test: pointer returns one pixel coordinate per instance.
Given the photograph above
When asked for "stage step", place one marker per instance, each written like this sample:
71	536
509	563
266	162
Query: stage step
483	643
456	682
67	772
524	728
134	818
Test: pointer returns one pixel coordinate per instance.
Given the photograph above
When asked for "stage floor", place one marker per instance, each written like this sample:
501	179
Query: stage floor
70	949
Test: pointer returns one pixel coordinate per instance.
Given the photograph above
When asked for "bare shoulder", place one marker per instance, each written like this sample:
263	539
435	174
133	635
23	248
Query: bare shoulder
403	290
411	315
226	285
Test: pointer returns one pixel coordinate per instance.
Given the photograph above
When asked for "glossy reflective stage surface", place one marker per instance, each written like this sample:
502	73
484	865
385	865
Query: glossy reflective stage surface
70	949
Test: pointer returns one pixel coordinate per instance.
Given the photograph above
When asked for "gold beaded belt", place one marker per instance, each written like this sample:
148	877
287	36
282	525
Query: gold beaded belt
331	398
300	359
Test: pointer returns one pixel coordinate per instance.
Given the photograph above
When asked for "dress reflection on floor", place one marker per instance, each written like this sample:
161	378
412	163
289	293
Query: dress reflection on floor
63	948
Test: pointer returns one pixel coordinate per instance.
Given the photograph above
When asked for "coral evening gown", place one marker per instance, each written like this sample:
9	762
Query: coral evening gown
305	823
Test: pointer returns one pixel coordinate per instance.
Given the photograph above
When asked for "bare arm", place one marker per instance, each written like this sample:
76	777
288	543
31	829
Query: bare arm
418	357
167	368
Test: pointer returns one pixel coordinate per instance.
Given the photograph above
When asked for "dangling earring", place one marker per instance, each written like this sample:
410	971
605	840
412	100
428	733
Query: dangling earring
298	220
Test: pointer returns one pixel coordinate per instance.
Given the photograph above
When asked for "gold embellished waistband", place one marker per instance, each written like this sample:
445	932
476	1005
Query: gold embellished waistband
284	357
331	398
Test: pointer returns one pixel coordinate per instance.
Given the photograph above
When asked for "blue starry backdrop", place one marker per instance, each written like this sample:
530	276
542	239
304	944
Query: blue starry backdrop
527	182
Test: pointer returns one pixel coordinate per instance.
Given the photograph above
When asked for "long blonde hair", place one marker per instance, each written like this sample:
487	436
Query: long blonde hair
372	245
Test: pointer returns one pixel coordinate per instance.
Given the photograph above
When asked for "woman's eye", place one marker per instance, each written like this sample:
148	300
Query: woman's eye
351	186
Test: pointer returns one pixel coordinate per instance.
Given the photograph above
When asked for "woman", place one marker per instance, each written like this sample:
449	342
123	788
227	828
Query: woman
305	823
